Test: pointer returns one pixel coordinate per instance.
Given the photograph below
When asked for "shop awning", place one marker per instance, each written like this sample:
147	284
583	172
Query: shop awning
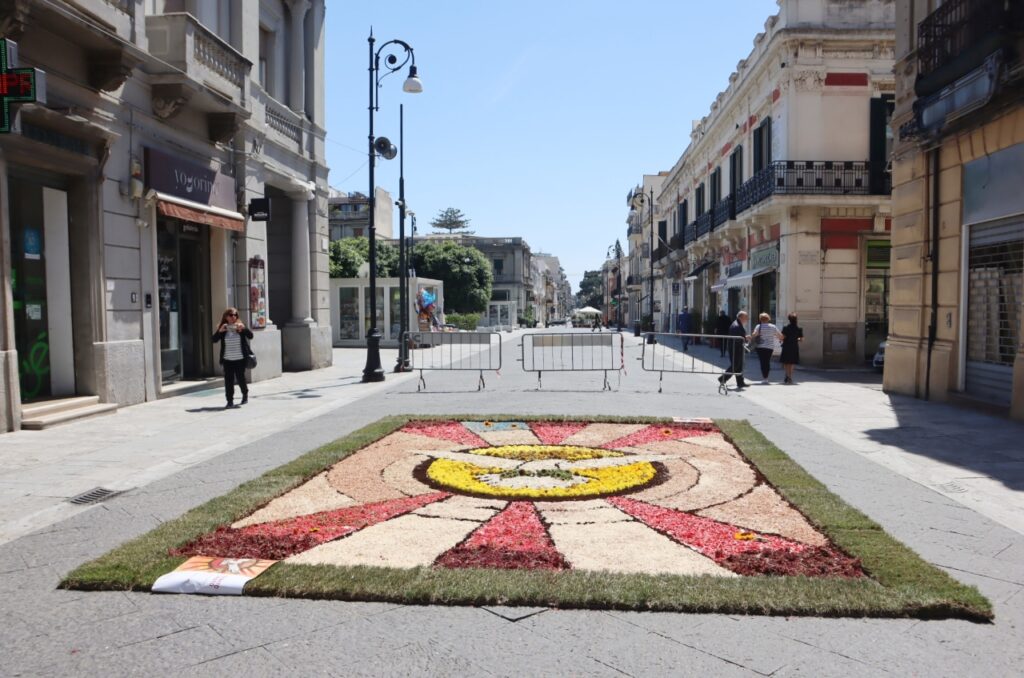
198	213
697	271
745	278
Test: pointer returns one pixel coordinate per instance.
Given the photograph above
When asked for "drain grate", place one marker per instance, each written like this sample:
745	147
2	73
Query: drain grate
95	495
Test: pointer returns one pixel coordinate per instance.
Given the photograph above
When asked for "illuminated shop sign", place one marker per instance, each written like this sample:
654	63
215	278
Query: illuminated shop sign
17	85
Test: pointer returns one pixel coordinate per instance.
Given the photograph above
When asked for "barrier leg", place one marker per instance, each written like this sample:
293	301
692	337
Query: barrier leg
607	386
661	378
723	388
422	383
481	383
538	380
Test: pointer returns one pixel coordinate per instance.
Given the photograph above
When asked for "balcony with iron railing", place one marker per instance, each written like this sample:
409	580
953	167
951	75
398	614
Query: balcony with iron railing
634	229
958	36
677	241
660	252
633	280
723	211
814	177
691	232
704	222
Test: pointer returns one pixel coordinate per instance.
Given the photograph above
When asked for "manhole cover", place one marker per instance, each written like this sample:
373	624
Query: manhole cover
95	495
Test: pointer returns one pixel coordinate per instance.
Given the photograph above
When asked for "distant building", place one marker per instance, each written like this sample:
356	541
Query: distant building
348	214
551	290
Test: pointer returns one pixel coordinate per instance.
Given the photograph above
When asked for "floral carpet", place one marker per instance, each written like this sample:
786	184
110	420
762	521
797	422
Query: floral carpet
634	498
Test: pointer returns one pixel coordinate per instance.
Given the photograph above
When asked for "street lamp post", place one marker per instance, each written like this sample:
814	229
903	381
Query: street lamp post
643	198
402	363
394	60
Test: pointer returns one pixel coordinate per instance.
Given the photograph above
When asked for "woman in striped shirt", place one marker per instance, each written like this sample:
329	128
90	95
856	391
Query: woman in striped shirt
234	349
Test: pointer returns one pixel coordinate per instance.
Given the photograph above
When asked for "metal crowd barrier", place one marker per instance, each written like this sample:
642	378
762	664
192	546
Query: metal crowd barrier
689	354
573	352
454	351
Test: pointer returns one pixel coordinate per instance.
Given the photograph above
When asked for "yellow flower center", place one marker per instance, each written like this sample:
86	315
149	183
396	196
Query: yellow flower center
594	479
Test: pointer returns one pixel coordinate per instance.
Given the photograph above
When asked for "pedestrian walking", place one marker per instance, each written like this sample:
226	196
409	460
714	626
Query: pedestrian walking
736	350
234	338
683	326
722	329
767	339
792	335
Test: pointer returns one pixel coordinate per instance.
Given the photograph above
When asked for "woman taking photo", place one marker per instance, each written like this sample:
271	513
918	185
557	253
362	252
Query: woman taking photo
766	338
234	338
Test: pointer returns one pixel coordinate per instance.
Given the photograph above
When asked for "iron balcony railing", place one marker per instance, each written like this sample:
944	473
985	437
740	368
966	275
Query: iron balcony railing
660	252
723	211
956	38
632	280
704	222
814	177
677	241
691	231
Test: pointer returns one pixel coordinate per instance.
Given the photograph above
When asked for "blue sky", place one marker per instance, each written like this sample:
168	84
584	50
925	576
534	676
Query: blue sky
536	117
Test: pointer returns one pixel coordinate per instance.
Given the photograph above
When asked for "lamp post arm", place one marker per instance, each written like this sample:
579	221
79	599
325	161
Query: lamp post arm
394	60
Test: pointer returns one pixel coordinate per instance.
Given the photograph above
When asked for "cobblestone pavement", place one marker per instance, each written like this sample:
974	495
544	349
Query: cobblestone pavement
945	481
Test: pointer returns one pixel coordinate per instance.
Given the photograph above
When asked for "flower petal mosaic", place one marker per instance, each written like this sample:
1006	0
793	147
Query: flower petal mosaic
539	495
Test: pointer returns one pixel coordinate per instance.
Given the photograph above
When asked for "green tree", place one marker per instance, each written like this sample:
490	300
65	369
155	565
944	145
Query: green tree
348	254
450	219
465	271
591	292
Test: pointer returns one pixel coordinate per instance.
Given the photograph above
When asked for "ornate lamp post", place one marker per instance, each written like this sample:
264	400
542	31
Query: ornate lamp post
393	61
648	199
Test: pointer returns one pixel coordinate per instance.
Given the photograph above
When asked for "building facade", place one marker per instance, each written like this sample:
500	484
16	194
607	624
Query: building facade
550	290
958	207
124	195
780	203
348	214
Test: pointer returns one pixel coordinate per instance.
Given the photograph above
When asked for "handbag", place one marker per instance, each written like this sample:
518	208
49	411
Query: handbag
250	361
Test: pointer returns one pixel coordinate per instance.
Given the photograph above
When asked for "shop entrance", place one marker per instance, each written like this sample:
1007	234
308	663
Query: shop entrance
764	296
41	289
183	278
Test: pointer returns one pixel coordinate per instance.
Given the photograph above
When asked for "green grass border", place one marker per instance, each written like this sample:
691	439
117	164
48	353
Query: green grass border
901	583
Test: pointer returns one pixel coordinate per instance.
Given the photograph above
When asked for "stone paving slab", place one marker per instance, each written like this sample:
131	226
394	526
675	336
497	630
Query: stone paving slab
207	636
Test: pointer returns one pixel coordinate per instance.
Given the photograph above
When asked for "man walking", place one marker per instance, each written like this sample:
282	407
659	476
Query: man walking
737	329
722	324
683	326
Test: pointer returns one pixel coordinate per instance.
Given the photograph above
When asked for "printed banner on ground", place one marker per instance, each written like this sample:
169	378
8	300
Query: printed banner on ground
212	576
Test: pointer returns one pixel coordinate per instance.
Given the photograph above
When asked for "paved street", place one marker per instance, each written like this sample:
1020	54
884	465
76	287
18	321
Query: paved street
947	482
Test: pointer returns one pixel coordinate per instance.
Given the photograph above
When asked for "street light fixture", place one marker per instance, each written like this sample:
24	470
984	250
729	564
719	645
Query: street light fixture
398	54
642	198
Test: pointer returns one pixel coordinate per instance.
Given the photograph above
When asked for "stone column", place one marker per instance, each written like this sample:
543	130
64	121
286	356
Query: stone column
297	70
301	307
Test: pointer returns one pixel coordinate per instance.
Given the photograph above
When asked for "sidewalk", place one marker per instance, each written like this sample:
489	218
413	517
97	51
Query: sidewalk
41	470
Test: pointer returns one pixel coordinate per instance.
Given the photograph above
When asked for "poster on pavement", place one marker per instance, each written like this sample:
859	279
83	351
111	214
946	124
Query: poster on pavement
212	576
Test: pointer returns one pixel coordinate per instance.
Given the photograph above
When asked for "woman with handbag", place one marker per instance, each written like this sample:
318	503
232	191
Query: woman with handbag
767	339
234	338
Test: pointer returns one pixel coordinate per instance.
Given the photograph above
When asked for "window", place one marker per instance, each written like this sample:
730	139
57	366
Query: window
684	214
763	145
699	199
735	170
716	186
662	232
499	267
266	49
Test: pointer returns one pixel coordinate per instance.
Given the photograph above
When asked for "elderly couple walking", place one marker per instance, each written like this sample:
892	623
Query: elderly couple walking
766	338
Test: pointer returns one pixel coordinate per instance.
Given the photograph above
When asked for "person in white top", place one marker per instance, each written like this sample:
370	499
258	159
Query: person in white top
766	338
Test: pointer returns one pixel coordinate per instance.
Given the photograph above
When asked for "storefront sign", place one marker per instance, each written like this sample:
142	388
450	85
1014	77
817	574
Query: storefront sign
735	268
766	258
259	209
188	180
17	85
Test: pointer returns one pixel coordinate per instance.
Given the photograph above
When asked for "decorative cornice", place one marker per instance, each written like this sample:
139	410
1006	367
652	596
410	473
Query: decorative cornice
15	17
109	70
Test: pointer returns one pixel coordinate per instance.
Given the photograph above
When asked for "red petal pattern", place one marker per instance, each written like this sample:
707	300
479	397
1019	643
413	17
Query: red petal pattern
282	538
553	433
445	430
514	539
658	433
